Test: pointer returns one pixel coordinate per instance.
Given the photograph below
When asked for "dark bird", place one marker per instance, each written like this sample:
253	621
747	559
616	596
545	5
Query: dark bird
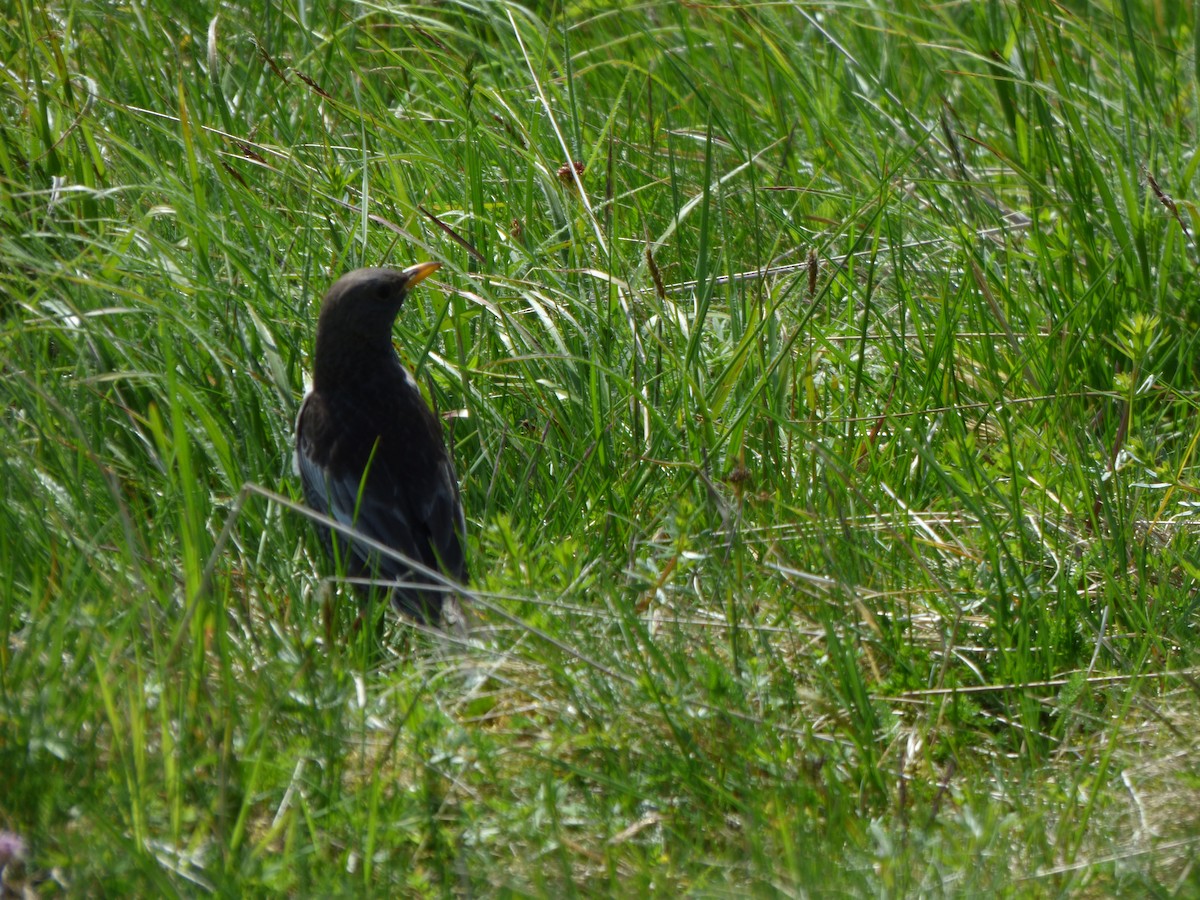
370	452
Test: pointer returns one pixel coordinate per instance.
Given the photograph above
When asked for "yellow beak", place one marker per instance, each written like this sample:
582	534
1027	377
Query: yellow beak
414	275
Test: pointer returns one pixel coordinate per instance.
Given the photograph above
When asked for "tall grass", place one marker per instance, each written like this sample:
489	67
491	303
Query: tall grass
821	383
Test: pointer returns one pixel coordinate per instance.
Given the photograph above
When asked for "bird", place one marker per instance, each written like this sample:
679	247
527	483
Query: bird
370	452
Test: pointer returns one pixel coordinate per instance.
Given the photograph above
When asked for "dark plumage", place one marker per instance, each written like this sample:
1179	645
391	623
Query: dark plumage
365	414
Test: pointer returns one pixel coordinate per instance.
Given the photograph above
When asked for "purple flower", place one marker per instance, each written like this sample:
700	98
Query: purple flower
12	846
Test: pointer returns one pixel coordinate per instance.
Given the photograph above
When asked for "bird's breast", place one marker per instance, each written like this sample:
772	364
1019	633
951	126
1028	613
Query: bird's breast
382	426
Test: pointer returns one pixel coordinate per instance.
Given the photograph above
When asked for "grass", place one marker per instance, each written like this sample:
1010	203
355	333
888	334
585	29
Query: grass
827	439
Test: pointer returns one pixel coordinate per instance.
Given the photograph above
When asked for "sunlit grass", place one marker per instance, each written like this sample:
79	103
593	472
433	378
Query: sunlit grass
826	437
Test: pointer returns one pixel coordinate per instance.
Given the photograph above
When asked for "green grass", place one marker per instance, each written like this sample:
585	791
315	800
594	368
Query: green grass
829	458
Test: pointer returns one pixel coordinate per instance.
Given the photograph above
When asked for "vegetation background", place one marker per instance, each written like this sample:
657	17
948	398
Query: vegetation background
822	379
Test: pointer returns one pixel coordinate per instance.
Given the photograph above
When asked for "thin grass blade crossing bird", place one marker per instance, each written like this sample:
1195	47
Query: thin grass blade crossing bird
370	452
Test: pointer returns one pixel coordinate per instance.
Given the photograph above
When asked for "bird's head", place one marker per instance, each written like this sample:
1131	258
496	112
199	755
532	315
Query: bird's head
360	308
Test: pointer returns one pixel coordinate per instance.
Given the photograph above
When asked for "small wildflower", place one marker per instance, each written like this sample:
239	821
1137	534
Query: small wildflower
12	847
739	474
564	172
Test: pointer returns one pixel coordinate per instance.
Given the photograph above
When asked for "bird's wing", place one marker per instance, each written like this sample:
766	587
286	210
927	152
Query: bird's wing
374	512
441	518
381	508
